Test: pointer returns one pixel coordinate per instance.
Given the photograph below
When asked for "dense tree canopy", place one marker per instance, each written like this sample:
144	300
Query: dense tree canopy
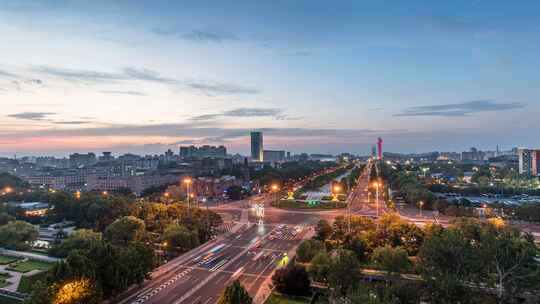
125	230
235	294
17	235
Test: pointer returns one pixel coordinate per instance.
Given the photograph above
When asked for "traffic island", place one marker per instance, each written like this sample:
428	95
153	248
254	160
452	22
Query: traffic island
312	205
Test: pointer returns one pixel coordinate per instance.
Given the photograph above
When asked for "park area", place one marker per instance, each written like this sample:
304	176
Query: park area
18	274
29	265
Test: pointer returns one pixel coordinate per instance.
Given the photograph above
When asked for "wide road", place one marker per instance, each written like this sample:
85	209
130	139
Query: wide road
250	252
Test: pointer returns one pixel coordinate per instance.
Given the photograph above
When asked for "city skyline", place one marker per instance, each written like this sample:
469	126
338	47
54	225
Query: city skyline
313	77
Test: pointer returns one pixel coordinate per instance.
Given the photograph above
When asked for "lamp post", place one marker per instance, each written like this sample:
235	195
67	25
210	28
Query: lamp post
187	182
166	195
275	189
421	204
377	185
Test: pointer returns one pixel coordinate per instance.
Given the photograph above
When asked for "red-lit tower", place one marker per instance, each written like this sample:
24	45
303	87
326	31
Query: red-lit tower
379	146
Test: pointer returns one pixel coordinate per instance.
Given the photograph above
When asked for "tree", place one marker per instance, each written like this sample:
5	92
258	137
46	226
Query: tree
391	259
358	245
125	229
235	192
5	218
179	237
323	230
112	268
79	239
235	294
292	280
17	235
78	291
446	260
344	271
10	180
308	249
320	266
41	294
508	260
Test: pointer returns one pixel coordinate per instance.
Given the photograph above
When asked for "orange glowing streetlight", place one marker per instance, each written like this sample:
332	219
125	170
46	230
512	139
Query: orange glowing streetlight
104	193
78	194
275	189
188	181
8	189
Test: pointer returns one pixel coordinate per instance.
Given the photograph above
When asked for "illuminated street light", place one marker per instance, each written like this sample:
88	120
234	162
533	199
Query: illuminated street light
275	189
78	194
421	204
105	193
188	182
377	185
8	189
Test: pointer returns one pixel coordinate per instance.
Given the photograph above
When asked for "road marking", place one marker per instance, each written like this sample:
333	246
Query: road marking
213	275
208	300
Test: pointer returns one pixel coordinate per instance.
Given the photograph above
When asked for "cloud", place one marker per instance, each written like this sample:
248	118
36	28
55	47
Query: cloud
243	113
38	116
212	89
141	74
133	93
76	75
73	122
8	74
209	36
461	109
198	35
147	75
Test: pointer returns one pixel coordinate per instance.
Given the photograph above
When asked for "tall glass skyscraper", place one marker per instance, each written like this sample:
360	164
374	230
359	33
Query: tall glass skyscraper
257	146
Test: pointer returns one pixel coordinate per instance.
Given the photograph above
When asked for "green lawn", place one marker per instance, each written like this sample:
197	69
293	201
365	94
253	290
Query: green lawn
26	284
29	265
283	299
4	259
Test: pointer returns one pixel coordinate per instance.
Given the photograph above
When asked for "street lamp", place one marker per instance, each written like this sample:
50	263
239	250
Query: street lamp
335	191
105	193
166	195
421	204
78	194
187	182
275	189
377	185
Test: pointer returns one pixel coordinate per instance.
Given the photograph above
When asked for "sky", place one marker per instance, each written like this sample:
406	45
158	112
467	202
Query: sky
314	76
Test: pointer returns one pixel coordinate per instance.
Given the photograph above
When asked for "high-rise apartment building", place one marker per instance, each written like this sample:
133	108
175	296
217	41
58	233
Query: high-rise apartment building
529	161
257	153
273	156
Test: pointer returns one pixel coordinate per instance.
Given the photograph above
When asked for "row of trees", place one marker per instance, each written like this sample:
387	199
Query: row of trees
408	185
467	262
289	171
324	179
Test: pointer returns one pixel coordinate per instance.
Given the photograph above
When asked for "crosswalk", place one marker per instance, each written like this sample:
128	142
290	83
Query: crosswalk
225	227
147	295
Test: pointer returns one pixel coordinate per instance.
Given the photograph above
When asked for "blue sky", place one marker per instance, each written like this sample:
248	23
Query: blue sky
315	76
